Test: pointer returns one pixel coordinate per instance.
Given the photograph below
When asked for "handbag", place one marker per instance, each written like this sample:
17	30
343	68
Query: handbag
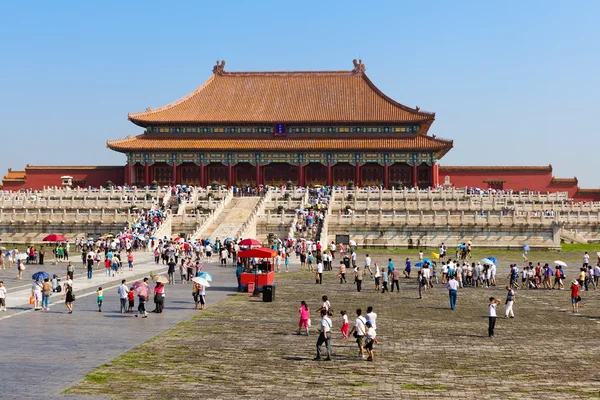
309	323
31	300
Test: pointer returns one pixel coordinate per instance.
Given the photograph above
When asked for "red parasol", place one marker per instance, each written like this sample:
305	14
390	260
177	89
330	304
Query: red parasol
262	252
54	238
250	243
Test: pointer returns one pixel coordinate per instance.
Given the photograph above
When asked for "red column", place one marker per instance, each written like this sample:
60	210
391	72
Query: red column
329	174
301	175
386	175
202	175
435	171
257	174
357	174
147	174
229	174
174	174
415	175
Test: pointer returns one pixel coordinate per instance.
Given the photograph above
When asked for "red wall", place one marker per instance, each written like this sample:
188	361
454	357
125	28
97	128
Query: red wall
36	179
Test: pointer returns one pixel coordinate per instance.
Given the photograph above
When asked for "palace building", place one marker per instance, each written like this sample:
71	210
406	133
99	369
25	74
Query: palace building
270	128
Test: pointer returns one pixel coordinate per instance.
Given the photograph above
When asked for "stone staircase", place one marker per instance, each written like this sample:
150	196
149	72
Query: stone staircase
231	218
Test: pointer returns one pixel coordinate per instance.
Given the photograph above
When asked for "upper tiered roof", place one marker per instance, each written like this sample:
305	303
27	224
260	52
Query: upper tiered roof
285	97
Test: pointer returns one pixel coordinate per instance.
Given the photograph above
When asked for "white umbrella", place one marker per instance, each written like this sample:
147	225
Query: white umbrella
21	257
201	281
561	263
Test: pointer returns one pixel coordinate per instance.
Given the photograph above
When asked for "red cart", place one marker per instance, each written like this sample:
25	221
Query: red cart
262	272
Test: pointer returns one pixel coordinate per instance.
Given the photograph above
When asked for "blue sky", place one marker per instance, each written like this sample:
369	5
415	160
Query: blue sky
512	82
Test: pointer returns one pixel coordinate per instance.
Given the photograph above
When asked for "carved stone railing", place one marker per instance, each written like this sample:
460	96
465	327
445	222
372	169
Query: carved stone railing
250	223
214	213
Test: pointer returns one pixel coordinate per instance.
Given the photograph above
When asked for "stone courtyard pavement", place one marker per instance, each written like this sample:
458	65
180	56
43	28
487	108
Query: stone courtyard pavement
245	348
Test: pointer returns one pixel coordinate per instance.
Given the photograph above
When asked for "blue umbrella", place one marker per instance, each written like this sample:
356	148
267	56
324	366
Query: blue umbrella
426	260
493	259
206	276
526	248
486	261
40	276
462	246
419	264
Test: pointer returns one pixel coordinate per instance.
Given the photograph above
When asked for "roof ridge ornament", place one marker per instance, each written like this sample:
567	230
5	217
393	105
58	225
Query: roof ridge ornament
219	68
359	67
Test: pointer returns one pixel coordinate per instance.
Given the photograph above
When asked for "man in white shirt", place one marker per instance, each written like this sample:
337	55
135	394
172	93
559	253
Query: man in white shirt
320	272
123	291
372	316
324	336
2	296
492	316
452	287
361	330
368	262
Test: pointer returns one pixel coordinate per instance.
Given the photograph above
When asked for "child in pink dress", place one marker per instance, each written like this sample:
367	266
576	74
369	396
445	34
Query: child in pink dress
304	318
344	329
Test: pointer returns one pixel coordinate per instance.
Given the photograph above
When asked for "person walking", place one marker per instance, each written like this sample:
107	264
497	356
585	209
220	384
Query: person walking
575	299
370	339
123	292
395	280
377	276
46	290
130	260
358	277
69	296
304	318
359	331
70	270
36	293
320	272
324	336
342	272
2	296
452	287
510	301
90	266
238	274
99	298
421	283
172	264
159	298
384	278
492	316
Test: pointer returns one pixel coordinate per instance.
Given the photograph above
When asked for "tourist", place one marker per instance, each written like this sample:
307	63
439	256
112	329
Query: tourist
358	278
407	268
390	266
492	316
421	283
324	336
130	260
586	259
225	254
385	279
342	272
575	299
202	296
159	298
558	278
286	261
36	293
596	275
359	331
99	298
20	268
131	299
345	324
304	318
238	274
70	270
371	316
452	287
46	291
420	255
69	296
41	255
368	265
510	301
319	276
90	266
377	276
123	292
2	296
2	260
370	339
395	280
172	263
156	255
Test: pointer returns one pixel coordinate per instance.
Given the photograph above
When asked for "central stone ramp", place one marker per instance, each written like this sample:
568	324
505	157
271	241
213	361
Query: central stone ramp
232	218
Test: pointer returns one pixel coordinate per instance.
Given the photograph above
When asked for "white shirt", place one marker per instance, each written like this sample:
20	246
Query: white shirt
452	284
586	258
360	325
493	269
37	287
320	268
326	324
123	290
492	310
3	292
367	261
371	333
372	316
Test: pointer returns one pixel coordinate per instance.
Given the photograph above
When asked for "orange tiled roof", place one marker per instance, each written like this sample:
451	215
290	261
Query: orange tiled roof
71	167
155	142
564	181
588	191
288	97
494	168
14	175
